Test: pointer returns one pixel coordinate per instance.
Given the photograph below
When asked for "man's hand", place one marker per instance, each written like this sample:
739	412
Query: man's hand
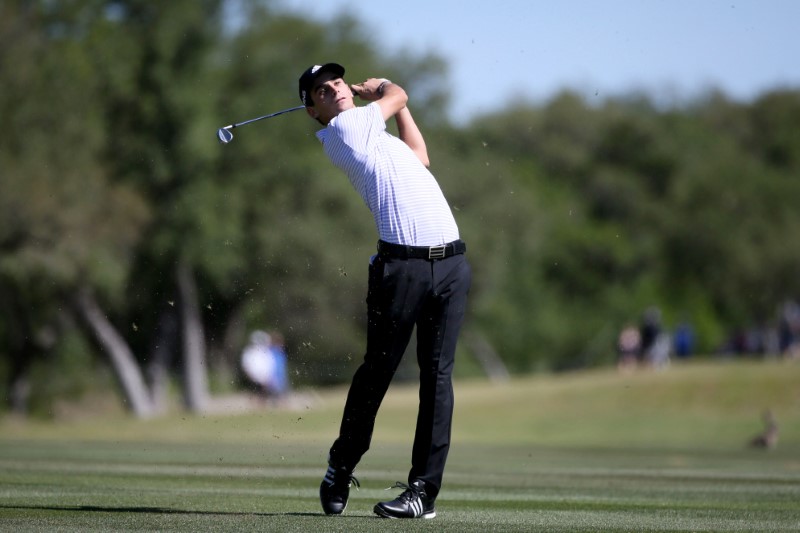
370	90
390	97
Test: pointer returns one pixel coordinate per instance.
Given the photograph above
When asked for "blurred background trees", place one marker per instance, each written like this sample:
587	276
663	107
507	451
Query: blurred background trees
137	253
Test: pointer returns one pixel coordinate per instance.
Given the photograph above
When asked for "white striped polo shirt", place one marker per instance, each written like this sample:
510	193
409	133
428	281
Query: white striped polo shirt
403	196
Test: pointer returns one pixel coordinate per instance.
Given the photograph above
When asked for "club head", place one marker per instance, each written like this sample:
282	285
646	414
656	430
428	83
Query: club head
224	135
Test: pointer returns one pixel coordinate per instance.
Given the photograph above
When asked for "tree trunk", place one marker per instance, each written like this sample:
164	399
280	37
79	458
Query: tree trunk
122	359
162	352
19	348
226	353
486	355
195	375
19	392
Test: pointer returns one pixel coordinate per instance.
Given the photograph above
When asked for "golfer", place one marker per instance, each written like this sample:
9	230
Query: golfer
419	276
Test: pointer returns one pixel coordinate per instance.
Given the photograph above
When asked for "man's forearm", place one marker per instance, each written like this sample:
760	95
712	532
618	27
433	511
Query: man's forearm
392	98
409	133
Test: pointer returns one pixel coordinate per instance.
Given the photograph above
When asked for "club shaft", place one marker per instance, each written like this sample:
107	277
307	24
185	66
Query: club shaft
231	126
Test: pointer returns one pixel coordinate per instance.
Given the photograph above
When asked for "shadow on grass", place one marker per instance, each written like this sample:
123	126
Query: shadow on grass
150	510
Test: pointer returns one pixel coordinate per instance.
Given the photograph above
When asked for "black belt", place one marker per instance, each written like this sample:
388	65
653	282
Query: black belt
401	251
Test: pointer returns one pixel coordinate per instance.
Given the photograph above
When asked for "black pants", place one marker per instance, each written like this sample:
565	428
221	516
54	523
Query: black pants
431	294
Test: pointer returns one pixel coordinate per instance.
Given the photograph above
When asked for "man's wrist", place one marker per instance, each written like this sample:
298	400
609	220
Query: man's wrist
383	83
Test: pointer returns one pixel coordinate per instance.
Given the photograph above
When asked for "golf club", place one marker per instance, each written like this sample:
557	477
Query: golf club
225	136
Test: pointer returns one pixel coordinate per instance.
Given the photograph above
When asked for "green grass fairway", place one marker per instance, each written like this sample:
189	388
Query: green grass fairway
593	451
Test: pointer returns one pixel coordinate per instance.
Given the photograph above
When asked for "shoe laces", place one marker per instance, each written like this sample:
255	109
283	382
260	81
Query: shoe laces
341	477
410	492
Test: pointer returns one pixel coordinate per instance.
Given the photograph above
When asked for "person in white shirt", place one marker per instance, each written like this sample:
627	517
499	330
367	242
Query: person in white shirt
419	277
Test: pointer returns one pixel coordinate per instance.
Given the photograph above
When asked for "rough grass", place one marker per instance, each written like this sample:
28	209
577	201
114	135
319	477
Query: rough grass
592	451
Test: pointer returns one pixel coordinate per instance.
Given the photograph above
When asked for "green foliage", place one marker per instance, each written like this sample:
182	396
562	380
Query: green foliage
577	217
62	219
69	373
636	206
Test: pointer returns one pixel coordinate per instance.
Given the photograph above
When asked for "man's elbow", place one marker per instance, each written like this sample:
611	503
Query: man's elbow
401	93
396	94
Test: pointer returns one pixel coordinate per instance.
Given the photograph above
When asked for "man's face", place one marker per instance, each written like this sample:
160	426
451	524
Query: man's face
331	95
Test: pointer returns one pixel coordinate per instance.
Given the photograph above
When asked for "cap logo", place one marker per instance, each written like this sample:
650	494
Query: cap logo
315	68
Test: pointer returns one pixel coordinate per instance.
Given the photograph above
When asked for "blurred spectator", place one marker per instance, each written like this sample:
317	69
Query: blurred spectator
280	382
649	331
656	345
628	347
659	354
755	340
684	340
789	329
264	364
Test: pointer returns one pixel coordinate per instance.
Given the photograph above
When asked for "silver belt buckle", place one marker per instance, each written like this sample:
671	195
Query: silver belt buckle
437	252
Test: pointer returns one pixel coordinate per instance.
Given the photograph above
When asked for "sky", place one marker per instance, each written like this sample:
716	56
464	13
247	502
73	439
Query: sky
502	50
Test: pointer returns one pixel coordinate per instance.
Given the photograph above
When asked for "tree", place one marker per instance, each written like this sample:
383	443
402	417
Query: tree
120	213
213	234
64	224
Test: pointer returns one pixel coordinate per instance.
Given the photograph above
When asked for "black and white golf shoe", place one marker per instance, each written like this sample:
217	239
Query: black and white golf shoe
412	503
335	489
